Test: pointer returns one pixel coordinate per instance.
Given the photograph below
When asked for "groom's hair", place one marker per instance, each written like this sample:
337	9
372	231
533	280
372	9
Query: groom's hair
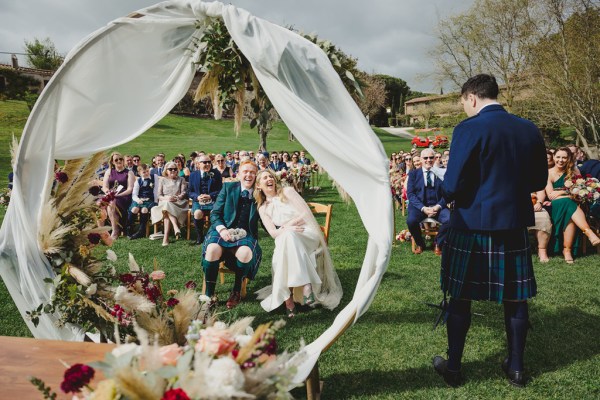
248	162
483	86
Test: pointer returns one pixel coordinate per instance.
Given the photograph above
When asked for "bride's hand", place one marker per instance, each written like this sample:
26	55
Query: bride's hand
295	228
296	222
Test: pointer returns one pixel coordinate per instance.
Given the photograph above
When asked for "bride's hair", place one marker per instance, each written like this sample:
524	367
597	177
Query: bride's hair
259	196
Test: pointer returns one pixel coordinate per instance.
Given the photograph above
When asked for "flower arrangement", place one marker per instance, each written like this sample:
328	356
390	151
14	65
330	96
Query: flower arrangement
396	181
583	189
5	198
403	236
89	292
219	361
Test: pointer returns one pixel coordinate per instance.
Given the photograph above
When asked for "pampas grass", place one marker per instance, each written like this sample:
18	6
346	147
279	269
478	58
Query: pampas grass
157	326
52	232
100	311
132	301
14	149
133	384
184	313
77	274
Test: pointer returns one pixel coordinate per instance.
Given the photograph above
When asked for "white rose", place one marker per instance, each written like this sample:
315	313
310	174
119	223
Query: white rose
580	181
583	193
575	191
226	375
596	196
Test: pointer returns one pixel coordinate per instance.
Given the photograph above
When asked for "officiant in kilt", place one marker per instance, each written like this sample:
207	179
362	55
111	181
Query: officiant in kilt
235	208
497	160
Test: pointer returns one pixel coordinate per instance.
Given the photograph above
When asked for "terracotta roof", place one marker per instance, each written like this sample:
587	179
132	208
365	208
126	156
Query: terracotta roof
45	72
430	98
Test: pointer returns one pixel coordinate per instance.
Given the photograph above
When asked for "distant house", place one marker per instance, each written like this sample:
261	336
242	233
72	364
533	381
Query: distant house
38	78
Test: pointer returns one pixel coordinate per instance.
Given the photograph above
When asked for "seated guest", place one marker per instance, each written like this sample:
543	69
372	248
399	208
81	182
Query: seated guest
158	169
205	185
591	167
117	175
295	163
234	208
417	162
221	166
136	163
142	201
567	216
543	225
303	159
285	158
251	155
262	162
190	164
172	205
275	164
229	161
182	170
425	200
550	158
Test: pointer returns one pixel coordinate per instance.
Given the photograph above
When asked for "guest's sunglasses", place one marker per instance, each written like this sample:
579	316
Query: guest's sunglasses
118	159
205	162
171	169
427	158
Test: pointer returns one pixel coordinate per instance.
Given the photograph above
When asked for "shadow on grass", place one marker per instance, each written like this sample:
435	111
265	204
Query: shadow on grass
567	336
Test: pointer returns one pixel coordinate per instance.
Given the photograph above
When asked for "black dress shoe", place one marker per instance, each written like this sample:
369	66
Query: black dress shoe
452	378
516	378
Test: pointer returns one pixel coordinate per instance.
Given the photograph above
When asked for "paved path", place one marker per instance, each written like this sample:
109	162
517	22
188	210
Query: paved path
400	132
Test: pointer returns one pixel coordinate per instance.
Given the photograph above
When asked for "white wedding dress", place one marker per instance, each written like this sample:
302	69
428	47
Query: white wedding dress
299	257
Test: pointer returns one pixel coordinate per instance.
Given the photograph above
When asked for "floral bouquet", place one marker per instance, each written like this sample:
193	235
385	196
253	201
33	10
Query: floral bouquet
396	183
583	189
219	361
404	235
5	198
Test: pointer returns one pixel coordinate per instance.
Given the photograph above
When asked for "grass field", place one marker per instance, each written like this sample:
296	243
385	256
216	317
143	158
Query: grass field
387	354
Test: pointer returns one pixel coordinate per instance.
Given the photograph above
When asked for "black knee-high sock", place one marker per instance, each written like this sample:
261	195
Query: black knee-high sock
199	225
459	321
240	273
130	222
211	271
143	222
517	316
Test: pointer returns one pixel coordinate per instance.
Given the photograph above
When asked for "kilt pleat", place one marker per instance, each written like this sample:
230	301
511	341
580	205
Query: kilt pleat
488	265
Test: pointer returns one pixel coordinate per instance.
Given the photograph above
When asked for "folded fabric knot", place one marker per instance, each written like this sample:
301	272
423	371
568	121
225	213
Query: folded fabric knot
245	194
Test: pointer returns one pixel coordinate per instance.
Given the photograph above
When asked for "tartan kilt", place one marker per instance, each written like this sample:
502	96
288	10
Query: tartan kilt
230	260
488	265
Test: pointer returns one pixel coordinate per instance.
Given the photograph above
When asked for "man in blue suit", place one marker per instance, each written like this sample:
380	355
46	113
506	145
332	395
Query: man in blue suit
497	160
234	208
425	199
275	164
204	186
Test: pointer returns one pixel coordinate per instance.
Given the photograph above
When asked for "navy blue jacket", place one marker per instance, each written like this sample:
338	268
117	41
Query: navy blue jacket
214	185
496	161
415	190
590	167
280	166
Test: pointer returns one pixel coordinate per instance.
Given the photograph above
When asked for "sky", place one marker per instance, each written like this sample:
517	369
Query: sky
391	37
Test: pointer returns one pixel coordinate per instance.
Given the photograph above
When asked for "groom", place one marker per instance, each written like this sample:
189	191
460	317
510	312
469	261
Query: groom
234	208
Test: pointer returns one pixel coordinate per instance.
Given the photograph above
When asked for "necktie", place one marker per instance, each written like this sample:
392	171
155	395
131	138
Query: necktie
429	179
245	194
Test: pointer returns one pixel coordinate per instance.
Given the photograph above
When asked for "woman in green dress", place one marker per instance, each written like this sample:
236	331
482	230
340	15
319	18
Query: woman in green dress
567	216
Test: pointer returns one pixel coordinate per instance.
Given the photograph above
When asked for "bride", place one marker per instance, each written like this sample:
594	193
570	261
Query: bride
302	268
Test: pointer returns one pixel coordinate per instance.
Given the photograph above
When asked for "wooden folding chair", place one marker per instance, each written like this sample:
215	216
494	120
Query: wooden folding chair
317	209
429	227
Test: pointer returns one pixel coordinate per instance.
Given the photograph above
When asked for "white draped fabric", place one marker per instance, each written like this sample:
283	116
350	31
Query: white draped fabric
124	78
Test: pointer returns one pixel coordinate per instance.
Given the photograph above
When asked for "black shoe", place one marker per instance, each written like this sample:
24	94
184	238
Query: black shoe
515	378
136	235
452	378
199	240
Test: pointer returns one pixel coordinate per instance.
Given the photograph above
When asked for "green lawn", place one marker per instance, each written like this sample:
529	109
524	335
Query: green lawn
387	354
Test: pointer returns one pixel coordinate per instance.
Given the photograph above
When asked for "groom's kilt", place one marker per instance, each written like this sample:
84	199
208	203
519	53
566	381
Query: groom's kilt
230	260
488	265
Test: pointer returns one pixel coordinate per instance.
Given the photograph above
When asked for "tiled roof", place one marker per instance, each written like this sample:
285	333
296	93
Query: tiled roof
26	70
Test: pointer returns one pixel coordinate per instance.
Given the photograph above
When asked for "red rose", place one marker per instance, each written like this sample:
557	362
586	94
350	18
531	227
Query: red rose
94	191
77	377
127	278
172	302
94	238
61	177
191	285
175	394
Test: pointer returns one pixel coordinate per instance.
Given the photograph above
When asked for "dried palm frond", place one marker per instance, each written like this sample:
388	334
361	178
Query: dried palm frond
76	197
246	351
157	326
14	149
184	313
133	301
93	268
77	274
208	84
100	311
133	384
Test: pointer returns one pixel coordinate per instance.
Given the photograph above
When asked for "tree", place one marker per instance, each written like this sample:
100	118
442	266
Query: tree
374	96
566	69
229	76
42	54
493	36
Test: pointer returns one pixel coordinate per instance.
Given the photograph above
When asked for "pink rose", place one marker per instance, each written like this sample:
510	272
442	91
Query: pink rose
568	184
215	341
157	275
169	354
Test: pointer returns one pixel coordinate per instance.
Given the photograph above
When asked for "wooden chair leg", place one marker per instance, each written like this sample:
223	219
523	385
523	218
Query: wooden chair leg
204	285
314	386
244	291
189	222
